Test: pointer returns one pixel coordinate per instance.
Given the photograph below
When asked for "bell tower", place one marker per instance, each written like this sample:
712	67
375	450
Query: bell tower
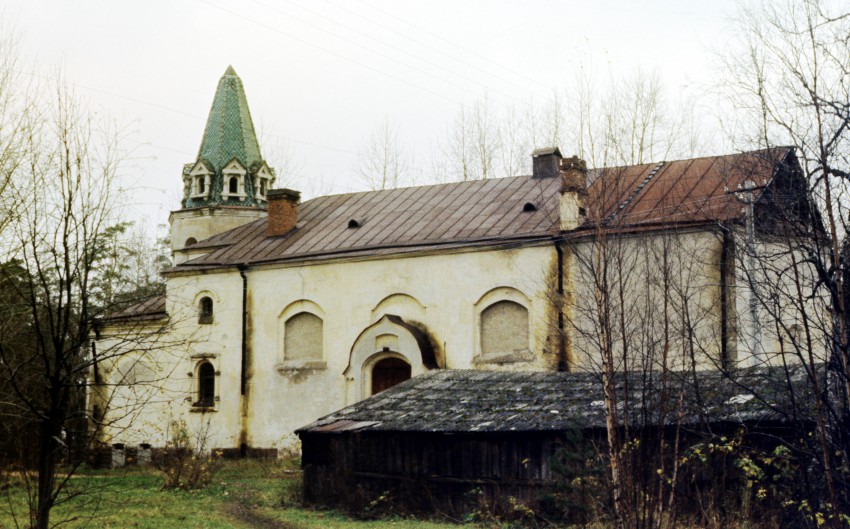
227	185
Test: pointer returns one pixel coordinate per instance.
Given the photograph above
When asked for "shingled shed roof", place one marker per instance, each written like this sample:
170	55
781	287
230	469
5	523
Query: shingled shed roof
458	401
487	212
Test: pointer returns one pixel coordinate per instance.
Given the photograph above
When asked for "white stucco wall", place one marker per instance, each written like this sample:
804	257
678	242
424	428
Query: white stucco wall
638	272
202	223
442	293
789	323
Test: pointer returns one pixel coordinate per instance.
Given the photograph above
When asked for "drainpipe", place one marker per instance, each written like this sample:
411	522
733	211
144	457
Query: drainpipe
725	257
745	195
243	374
563	361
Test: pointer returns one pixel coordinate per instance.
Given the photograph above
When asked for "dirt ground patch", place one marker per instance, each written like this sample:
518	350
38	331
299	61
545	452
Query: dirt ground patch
249	515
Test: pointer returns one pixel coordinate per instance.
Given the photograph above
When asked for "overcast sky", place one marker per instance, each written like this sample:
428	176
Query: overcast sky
320	74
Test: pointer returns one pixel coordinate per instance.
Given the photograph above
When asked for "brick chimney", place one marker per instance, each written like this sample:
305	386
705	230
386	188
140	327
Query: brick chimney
545	162
573	192
283	211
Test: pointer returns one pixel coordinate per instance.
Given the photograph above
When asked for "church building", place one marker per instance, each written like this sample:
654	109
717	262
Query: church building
278	312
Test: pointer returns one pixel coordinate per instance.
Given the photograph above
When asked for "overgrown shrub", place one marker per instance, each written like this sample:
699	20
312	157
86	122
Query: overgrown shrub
579	490
736	480
501	512
185	461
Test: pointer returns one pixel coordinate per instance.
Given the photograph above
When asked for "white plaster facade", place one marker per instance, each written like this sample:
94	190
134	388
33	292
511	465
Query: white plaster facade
433	292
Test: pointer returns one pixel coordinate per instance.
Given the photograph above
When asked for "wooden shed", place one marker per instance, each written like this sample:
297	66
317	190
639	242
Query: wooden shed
442	440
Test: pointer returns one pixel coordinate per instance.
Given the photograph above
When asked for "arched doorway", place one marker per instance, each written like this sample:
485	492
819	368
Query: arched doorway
389	337
388	372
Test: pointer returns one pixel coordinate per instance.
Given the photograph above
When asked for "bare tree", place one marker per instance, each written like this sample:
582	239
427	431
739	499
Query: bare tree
64	267
642	314
283	161
789	82
14	113
382	163
630	120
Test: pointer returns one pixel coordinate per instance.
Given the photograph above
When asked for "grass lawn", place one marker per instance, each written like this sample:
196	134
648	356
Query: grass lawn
244	494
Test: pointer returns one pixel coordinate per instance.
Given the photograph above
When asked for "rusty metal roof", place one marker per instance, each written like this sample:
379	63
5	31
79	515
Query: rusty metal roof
695	190
486	212
482	211
490	401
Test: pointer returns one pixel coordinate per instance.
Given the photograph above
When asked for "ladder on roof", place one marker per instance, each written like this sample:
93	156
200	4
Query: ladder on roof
637	190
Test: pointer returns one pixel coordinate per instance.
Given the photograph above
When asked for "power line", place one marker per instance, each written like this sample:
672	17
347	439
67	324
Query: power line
438	50
288	174
335	54
432	34
386	44
187	114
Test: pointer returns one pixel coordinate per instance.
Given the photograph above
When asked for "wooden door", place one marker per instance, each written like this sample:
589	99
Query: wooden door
389	372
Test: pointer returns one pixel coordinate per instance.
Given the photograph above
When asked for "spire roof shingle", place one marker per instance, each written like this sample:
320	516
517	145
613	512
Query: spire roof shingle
229	132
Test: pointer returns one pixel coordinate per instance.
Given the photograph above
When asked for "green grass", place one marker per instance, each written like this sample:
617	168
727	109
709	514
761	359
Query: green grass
244	494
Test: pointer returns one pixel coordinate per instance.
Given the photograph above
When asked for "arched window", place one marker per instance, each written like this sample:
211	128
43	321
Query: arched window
504	328
262	187
201	185
206	385
205	310
302	337
233	185
190	241
388	372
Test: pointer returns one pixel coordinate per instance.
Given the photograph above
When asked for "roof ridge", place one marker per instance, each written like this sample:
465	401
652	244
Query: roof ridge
696	158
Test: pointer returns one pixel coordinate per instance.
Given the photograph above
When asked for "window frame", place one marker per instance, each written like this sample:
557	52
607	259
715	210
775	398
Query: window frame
205	389
206	315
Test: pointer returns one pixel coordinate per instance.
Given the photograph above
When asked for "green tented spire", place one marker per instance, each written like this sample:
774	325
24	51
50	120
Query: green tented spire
229	132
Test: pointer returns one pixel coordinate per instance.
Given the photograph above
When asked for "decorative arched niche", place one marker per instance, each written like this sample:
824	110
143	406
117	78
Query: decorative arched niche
301	337
503	327
389	338
400	303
